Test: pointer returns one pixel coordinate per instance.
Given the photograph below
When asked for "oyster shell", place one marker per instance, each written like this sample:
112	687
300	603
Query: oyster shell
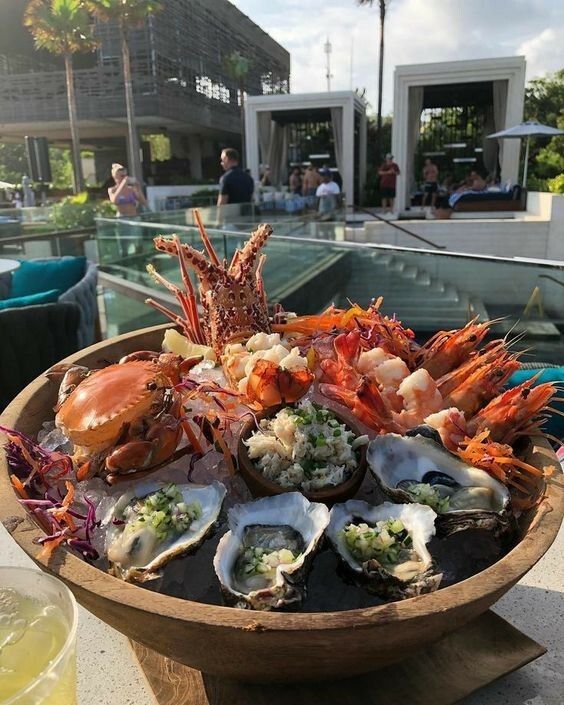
262	561
140	538
418	469
400	566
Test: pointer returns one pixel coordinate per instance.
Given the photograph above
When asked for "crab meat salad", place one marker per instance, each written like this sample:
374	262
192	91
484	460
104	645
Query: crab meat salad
305	447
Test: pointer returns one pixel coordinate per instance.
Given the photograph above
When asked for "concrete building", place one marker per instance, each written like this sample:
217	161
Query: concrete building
322	128
181	86
483	96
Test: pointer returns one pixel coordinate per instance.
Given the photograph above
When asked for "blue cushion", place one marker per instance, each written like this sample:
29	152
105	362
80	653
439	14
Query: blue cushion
36	276
44	297
555	423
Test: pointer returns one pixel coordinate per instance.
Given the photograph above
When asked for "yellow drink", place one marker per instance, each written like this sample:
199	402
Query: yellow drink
37	655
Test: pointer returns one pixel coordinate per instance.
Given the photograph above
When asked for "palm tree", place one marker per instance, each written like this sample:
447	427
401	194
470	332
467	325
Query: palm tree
63	27
128	15
383	7
238	67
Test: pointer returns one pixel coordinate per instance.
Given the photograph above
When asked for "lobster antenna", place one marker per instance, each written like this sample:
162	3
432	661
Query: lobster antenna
205	239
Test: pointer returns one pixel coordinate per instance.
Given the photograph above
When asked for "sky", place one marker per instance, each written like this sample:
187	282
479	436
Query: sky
417	31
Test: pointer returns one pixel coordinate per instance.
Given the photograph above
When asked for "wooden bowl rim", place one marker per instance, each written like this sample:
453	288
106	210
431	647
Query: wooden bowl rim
67	566
330	494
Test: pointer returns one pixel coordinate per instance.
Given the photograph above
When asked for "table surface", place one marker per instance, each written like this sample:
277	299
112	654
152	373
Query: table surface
109	673
8	265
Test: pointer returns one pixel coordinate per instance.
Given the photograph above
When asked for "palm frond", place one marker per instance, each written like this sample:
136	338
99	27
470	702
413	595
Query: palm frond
59	26
127	13
237	65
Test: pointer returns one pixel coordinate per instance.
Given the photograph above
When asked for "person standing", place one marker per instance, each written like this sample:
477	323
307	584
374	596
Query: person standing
28	192
311	181
295	182
430	182
126	195
388	172
235	186
327	192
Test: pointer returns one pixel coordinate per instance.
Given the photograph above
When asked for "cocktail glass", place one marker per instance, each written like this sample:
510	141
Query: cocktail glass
38	620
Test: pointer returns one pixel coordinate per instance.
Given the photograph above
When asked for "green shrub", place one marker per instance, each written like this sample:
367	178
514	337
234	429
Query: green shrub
535	183
76	212
556	185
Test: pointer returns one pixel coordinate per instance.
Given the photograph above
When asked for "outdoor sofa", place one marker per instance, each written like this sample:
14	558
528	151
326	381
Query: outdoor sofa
48	310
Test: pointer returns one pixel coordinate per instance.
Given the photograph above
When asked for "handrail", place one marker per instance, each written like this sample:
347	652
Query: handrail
393	224
136	291
16	239
348	244
552	279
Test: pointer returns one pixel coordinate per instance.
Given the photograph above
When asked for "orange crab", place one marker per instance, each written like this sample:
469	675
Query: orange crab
123	418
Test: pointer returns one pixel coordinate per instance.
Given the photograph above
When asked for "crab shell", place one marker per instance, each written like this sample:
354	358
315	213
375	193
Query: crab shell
95	413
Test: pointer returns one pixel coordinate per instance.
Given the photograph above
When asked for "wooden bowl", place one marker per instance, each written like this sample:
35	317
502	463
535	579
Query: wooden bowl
260	486
269	646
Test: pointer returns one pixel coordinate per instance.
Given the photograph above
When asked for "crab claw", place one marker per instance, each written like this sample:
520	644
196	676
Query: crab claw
135	454
68	377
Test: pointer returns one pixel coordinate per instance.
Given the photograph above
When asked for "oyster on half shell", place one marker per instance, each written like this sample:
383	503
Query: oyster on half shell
417	469
261	563
385	547
155	522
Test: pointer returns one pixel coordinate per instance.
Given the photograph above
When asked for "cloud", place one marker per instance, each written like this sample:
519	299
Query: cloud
544	52
416	32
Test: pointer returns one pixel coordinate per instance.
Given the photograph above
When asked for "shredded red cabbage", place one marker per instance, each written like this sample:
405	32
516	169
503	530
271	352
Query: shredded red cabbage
78	539
193	460
53	465
84	547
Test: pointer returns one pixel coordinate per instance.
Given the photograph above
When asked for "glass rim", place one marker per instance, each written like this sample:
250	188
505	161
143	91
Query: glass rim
71	636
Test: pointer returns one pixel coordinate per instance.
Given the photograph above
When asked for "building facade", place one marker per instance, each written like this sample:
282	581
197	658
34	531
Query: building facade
181	84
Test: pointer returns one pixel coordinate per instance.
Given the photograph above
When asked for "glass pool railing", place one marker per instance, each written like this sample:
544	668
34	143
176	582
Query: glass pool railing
427	290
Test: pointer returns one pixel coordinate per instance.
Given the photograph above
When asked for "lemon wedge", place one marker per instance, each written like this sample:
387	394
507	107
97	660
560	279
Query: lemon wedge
180	345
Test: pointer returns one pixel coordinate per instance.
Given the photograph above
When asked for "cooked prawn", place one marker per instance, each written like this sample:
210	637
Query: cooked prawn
375	329
449	349
451	425
366	403
482	385
516	412
420	398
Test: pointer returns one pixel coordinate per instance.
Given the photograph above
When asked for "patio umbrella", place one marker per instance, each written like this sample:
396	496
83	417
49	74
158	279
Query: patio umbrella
528	129
5	184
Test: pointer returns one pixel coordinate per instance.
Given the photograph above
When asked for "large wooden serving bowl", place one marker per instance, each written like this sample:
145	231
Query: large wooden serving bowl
259	646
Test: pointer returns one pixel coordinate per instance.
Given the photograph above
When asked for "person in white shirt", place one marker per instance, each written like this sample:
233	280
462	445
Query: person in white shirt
327	192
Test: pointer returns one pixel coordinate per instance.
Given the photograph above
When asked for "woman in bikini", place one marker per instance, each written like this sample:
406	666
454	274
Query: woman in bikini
126	195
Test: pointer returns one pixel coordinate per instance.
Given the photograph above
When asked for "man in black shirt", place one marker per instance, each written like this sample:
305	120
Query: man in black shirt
235	186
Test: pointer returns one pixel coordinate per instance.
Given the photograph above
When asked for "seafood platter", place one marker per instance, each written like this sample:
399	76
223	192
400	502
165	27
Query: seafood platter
247	481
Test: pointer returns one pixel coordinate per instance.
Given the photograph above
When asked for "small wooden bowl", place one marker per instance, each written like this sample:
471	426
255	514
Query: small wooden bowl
260	486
